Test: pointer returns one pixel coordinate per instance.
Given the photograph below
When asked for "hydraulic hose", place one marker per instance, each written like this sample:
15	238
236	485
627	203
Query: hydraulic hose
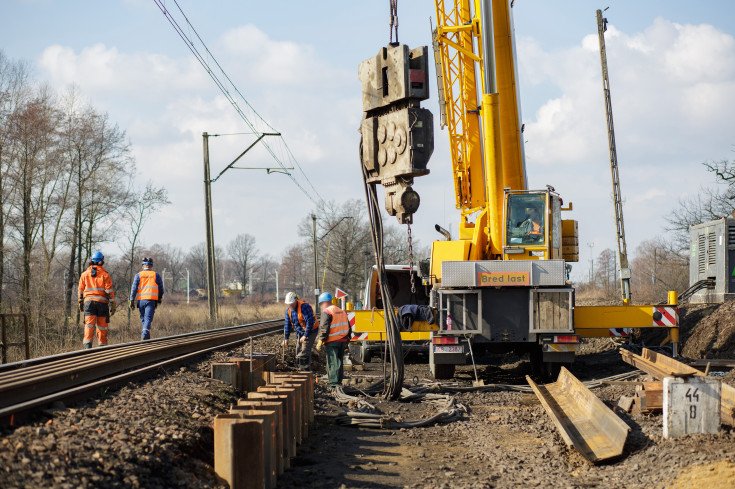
394	376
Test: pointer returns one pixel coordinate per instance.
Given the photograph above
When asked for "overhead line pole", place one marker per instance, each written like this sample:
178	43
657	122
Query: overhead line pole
211	268
316	272
211	263
617	196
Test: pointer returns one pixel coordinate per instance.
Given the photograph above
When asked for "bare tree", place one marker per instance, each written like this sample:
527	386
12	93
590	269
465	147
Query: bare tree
605	272
709	204
14	89
658	266
295	274
243	253
196	261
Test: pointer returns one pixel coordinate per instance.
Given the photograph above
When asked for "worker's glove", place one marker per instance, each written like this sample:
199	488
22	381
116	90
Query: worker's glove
302	339
81	306
113	308
319	345
131	305
284	343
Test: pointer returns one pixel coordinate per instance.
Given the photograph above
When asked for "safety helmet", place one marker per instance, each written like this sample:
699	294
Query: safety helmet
291	298
97	257
325	297
148	261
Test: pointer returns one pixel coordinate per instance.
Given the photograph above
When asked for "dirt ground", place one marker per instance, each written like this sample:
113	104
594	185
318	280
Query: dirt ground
507	441
158	434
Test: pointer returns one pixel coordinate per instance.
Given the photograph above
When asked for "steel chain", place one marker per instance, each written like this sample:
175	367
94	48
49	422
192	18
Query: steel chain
410	259
393	19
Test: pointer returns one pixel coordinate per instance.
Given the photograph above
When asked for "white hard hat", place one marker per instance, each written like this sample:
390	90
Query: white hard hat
291	298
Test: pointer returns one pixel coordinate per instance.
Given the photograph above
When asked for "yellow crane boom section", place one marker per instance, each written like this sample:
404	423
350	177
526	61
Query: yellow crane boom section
479	173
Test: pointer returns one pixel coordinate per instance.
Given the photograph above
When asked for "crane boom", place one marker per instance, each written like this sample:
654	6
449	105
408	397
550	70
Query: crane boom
482	114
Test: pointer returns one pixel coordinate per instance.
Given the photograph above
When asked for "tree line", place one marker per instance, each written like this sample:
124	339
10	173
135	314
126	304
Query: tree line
344	258
67	187
662	263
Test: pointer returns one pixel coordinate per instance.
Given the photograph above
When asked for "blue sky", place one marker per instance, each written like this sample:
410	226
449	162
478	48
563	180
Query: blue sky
672	68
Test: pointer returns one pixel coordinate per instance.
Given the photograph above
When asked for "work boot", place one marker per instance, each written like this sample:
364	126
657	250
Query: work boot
87	346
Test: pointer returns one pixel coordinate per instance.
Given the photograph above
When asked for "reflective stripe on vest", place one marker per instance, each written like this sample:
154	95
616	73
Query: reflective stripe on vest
90	292
147	288
340	326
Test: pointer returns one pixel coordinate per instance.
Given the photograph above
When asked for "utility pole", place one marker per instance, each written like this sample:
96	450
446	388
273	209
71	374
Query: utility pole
617	196
211	265
277	296
316	273
592	263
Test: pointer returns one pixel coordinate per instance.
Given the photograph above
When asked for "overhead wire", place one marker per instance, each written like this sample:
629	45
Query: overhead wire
285	153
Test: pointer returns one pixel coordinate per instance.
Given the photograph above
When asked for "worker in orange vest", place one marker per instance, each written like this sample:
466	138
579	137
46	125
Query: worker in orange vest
334	332
300	318
96	300
147	289
536	229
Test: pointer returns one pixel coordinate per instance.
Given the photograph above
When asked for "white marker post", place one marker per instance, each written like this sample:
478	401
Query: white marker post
691	405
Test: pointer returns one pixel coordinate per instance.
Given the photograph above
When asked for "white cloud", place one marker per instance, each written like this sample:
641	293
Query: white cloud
166	103
673	89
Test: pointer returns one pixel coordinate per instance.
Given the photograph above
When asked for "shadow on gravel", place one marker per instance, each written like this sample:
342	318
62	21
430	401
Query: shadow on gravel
637	440
334	455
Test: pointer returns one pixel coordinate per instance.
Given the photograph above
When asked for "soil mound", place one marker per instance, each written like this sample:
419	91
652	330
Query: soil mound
713	333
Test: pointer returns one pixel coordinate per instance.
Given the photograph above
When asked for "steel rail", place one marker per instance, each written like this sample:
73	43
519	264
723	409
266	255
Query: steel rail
75	353
130	348
65	372
91	388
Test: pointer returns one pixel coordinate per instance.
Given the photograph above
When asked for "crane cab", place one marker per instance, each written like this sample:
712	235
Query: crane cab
533	225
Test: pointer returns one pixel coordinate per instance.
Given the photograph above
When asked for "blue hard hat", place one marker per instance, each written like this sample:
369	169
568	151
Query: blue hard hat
97	257
325	297
148	261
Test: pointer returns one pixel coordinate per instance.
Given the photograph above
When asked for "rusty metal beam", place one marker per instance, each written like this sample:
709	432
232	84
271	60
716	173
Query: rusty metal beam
661	366
582	419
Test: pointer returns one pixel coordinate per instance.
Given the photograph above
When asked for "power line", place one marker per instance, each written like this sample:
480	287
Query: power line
285	153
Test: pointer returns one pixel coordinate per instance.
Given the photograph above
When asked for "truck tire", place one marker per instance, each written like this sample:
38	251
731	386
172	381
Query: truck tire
443	371
546	371
359	353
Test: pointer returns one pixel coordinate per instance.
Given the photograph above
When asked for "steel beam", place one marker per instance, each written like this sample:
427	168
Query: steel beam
582	419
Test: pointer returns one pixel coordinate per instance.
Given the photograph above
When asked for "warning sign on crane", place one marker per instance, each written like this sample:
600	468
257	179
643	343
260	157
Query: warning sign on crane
339	293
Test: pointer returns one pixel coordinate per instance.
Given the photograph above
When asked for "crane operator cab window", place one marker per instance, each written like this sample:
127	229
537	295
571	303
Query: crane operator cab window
526	219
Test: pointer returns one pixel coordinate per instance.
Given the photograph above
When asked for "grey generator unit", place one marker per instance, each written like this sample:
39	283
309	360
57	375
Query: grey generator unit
712	258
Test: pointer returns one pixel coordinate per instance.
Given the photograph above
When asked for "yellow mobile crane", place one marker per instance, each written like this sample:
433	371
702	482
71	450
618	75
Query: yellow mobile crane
503	284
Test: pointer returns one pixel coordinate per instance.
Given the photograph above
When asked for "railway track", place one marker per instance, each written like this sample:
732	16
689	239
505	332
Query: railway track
34	383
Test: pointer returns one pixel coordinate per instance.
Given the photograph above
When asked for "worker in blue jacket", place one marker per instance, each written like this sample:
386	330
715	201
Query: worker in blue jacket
147	289
300	318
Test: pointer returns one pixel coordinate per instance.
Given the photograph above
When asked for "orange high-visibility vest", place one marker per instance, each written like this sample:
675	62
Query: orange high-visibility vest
97	288
147	288
339	329
300	314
